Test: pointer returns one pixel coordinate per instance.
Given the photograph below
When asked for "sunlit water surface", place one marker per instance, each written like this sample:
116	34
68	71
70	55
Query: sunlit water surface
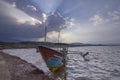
103	62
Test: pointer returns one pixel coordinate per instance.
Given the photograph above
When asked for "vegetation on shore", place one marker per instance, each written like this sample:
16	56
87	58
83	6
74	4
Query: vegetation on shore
28	44
8	45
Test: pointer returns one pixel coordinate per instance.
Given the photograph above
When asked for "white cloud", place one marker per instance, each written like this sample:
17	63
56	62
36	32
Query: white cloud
97	19
14	4
88	33
32	7
111	17
44	17
115	15
40	39
75	32
85	33
51	37
20	16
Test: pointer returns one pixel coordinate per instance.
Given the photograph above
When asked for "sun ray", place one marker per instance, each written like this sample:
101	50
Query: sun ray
47	6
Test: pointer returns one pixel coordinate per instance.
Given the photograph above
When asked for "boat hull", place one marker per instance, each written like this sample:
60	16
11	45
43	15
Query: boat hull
53	59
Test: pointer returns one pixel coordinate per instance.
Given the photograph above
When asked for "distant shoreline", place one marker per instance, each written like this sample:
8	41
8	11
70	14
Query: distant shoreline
34	45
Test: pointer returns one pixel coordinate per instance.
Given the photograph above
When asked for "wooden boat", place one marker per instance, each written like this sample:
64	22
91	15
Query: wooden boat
53	59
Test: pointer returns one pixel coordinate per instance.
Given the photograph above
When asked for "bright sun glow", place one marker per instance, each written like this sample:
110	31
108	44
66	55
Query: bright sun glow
47	6
44	17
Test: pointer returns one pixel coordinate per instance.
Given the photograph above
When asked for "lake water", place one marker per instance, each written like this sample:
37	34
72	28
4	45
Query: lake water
103	62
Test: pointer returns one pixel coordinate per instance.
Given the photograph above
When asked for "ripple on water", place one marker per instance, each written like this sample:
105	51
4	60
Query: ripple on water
104	64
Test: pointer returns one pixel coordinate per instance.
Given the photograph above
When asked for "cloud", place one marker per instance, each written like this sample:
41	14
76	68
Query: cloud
11	31
20	16
16	25
14	4
87	33
47	6
52	36
97	19
33	8
115	15
111	17
55	22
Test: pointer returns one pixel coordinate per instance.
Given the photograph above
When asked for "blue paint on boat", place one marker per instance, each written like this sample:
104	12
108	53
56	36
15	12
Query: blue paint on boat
54	61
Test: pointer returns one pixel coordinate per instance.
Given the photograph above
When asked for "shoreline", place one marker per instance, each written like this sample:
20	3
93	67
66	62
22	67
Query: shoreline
18	69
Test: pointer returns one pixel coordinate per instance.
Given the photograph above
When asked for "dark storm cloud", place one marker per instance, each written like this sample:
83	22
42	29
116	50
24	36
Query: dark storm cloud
11	30
23	5
55	22
21	20
36	14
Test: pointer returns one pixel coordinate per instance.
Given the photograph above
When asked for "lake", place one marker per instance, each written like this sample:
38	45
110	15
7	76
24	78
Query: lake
103	62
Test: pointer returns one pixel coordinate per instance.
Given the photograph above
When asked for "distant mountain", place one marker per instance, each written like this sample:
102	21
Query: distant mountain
86	44
34	43
76	44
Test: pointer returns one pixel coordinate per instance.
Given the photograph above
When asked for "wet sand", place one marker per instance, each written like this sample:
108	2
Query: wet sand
14	68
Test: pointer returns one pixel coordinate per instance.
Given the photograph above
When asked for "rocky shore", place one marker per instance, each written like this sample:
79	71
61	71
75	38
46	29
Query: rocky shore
14	68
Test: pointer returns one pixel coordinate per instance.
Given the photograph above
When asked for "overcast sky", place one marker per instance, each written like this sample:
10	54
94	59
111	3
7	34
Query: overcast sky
86	21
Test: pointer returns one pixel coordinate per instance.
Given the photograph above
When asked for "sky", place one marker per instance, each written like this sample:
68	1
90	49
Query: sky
85	21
